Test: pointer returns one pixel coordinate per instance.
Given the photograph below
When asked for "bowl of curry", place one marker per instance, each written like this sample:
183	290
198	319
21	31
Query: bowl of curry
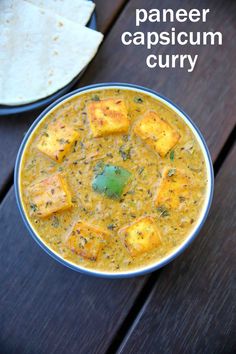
113	180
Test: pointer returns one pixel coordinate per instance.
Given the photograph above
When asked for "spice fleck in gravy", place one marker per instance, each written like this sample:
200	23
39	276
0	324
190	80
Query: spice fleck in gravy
113	180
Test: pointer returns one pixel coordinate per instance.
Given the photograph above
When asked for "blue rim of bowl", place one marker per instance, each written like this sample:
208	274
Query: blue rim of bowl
129	274
6	110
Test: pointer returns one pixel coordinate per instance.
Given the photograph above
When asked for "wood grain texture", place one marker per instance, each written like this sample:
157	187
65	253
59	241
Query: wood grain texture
47	308
107	11
193	304
12	130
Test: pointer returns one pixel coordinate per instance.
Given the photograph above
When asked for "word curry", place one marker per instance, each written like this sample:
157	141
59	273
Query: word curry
152	40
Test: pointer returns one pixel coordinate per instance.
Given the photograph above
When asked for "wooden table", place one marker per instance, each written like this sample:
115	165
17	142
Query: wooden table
186	307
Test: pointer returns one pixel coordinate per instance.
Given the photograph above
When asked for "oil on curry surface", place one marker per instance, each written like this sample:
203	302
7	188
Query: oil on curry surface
113	180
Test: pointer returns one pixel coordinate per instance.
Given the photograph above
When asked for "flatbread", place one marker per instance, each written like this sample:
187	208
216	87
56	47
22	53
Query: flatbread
78	11
40	52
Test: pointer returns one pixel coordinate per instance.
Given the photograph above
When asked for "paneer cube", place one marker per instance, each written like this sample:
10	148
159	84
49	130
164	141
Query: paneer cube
157	133
141	236
86	240
108	116
49	196
175	189
57	141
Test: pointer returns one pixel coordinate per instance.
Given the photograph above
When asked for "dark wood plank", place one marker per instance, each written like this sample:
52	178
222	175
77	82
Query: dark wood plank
12	128
47	308
192	307
106	12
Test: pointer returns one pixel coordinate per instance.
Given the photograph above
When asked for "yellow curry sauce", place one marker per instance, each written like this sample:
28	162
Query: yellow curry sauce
164	191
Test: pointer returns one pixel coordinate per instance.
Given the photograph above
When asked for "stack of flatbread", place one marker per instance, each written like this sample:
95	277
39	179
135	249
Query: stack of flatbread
44	45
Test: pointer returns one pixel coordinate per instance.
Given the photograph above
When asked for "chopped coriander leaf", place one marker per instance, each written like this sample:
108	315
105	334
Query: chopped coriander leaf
33	207
140	170
125	138
163	211
109	154
138	100
95	98
171	172
124	151
55	222
181	199
63	141
172	155
111	227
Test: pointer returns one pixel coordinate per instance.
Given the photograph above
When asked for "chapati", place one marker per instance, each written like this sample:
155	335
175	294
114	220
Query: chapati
40	52
78	11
